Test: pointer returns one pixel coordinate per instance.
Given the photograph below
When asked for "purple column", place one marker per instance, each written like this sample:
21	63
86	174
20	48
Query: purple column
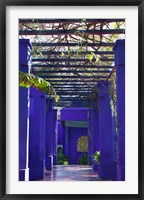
107	165
95	131
55	136
24	66
49	135
119	49
60	133
66	141
37	135
90	138
114	142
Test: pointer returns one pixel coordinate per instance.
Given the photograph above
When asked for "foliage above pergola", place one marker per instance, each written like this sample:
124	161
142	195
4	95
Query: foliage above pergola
73	54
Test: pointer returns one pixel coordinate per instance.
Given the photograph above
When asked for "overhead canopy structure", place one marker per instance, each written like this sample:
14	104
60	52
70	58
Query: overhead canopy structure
73	54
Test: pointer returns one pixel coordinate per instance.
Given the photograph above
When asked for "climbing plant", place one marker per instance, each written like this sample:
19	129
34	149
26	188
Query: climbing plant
27	80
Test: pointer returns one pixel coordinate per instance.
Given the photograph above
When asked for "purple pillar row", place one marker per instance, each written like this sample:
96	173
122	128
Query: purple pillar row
49	139
37	135
38	141
24	66
55	136
66	141
90	138
107	164
119	49
95	132
37	126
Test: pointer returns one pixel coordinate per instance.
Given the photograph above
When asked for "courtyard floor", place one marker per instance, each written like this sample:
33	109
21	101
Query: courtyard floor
71	173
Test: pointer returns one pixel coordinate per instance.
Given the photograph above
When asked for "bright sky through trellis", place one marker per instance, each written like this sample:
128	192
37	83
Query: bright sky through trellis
73	50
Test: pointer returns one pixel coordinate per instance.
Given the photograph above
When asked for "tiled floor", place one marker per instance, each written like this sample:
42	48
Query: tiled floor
71	173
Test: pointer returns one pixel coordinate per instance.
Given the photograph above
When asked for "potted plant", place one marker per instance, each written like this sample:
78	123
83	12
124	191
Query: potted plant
96	160
84	159
66	160
60	158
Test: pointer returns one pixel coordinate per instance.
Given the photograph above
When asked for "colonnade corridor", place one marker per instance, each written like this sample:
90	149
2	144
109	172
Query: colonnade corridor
90	137
71	173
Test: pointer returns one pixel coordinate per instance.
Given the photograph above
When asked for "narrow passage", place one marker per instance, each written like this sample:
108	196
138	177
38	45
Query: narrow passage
71	173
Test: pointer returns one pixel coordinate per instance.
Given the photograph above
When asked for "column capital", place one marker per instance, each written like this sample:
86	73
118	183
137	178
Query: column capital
25	42
103	88
103	84
119	50
25	48
118	43
36	92
49	104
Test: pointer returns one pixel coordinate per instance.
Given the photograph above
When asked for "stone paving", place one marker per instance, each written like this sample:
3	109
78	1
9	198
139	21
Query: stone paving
71	173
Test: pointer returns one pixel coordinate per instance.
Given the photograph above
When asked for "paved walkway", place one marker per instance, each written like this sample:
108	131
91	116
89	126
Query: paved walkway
71	173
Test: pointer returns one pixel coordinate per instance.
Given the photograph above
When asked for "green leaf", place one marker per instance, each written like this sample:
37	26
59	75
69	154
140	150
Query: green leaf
90	57
26	80
62	54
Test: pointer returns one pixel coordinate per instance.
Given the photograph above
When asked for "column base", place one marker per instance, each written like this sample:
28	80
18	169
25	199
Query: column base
37	170
108	171
95	167
120	173
24	174
54	159
49	162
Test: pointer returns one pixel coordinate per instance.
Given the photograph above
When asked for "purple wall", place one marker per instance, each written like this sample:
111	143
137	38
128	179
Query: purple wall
77	114
60	133
68	136
74	134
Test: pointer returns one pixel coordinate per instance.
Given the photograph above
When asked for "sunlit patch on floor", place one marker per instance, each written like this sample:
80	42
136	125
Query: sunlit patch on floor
71	173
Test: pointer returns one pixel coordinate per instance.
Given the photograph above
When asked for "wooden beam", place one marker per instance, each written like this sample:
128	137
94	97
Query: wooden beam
71	66
71	71
75	53
72	32
72	81
68	77
69	20
73	86
98	44
74	98
74	90
64	60
107	59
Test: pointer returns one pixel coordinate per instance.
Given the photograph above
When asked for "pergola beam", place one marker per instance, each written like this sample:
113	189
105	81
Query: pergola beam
74	86
75	98
74	92
77	91
63	60
102	44
72	81
72	32
77	77
69	20
107	59
71	71
76	53
72	66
